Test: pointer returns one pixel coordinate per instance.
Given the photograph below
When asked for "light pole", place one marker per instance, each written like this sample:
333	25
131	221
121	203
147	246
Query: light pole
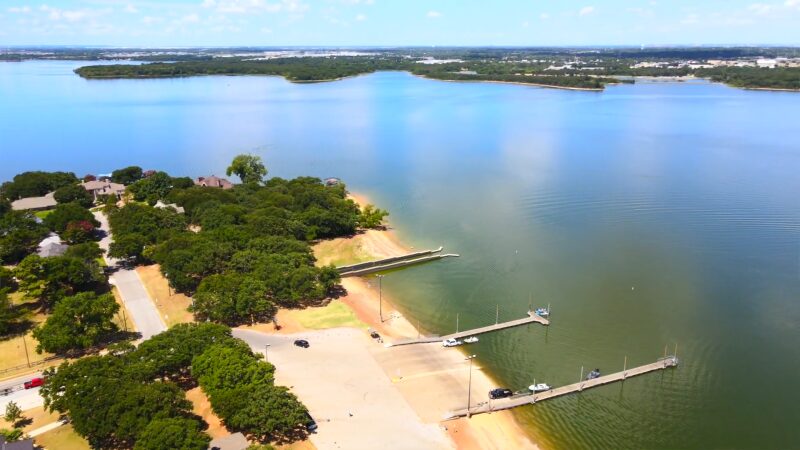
380	296
266	347
469	386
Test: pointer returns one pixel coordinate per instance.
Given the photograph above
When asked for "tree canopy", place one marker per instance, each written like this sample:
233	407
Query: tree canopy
36	184
65	213
77	323
50	279
175	433
127	175
20	235
74	193
249	168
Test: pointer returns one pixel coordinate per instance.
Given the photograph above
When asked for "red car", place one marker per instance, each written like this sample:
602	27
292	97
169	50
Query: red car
36	382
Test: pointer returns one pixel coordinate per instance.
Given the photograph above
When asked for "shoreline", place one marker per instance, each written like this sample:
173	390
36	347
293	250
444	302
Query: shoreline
498	430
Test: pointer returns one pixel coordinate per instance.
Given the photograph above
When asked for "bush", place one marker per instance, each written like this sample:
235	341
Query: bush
74	193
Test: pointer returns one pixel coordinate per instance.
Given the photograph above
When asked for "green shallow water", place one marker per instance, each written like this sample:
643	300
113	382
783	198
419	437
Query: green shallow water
646	215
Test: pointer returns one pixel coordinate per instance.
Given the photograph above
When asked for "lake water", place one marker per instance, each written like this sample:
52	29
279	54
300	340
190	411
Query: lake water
646	215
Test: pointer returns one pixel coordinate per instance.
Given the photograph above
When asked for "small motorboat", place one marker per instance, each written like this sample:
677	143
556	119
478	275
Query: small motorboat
451	343
539	387
593	374
471	340
542	312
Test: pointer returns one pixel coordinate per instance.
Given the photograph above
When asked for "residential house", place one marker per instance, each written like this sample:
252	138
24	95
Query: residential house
213	181
34	203
98	188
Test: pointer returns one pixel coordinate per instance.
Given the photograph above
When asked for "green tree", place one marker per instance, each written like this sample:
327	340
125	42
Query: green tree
74	193
232	299
153	188
77	323
128	246
13	413
86	251
127	175
371	217
20	235
182	182
35	184
249	168
227	366
79	231
49	279
65	213
7	313
176	433
12	435
266	413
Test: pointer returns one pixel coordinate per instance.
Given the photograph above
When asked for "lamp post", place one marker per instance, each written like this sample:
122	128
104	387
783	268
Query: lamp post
380	296
266	347
469	386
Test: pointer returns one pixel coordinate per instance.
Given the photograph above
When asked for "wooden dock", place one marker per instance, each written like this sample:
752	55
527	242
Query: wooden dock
395	262
532	318
530	399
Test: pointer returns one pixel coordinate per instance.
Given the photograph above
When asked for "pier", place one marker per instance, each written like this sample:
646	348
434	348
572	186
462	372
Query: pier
533	398
532	318
395	262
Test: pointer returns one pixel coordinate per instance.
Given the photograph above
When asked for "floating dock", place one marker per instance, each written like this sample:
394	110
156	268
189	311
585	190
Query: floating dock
395	262
532	318
530	399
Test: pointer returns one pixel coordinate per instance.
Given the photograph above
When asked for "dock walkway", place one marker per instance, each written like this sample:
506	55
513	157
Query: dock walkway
529	399
395	262
532	318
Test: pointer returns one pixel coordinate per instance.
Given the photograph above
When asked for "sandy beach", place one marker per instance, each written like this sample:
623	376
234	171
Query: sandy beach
432	379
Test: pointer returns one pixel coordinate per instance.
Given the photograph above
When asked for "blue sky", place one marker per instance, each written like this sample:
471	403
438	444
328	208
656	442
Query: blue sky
397	22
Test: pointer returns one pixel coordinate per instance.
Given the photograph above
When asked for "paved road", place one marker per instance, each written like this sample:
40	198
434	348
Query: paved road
143	312
25	398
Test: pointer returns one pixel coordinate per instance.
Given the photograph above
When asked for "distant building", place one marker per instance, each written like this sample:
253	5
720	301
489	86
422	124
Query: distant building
235	441
148	173
34	203
98	188
162	205
332	181
23	444
213	181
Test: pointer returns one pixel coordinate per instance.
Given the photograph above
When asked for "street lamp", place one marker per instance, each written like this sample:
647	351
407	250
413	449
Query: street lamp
266	347
469	386
380	296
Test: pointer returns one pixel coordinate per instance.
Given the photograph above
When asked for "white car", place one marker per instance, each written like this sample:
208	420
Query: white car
451	343
471	340
539	387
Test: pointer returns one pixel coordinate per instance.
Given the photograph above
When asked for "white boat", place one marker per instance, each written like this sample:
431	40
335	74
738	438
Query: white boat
451	343
471	340
539	387
542	312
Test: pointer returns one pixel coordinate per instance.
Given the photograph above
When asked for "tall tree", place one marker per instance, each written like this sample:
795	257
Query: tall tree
74	193
49	279
77	323
249	168
20	235
127	175
65	213
176	434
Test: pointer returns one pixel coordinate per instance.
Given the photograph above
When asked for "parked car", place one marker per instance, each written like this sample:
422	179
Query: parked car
311	424
500	393
301	343
451	343
36	382
374	334
593	374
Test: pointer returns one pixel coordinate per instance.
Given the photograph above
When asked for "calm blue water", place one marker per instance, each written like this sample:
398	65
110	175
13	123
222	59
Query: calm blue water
646	215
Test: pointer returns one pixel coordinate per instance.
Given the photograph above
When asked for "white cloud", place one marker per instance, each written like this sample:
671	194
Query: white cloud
691	19
130	9
255	6
361	17
433	14
526	24
150	20
19	9
544	16
761	9
586	10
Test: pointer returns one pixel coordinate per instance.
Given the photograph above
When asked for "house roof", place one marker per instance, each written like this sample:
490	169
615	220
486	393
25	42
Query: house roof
43	202
104	187
24	444
179	209
52	249
213	181
235	441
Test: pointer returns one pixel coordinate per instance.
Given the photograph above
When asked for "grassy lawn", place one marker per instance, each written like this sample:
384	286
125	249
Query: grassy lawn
43	214
340	251
334	315
38	417
123	317
12	349
172	306
62	438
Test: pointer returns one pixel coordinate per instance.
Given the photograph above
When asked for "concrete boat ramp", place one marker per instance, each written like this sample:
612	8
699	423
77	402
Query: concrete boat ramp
395	262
